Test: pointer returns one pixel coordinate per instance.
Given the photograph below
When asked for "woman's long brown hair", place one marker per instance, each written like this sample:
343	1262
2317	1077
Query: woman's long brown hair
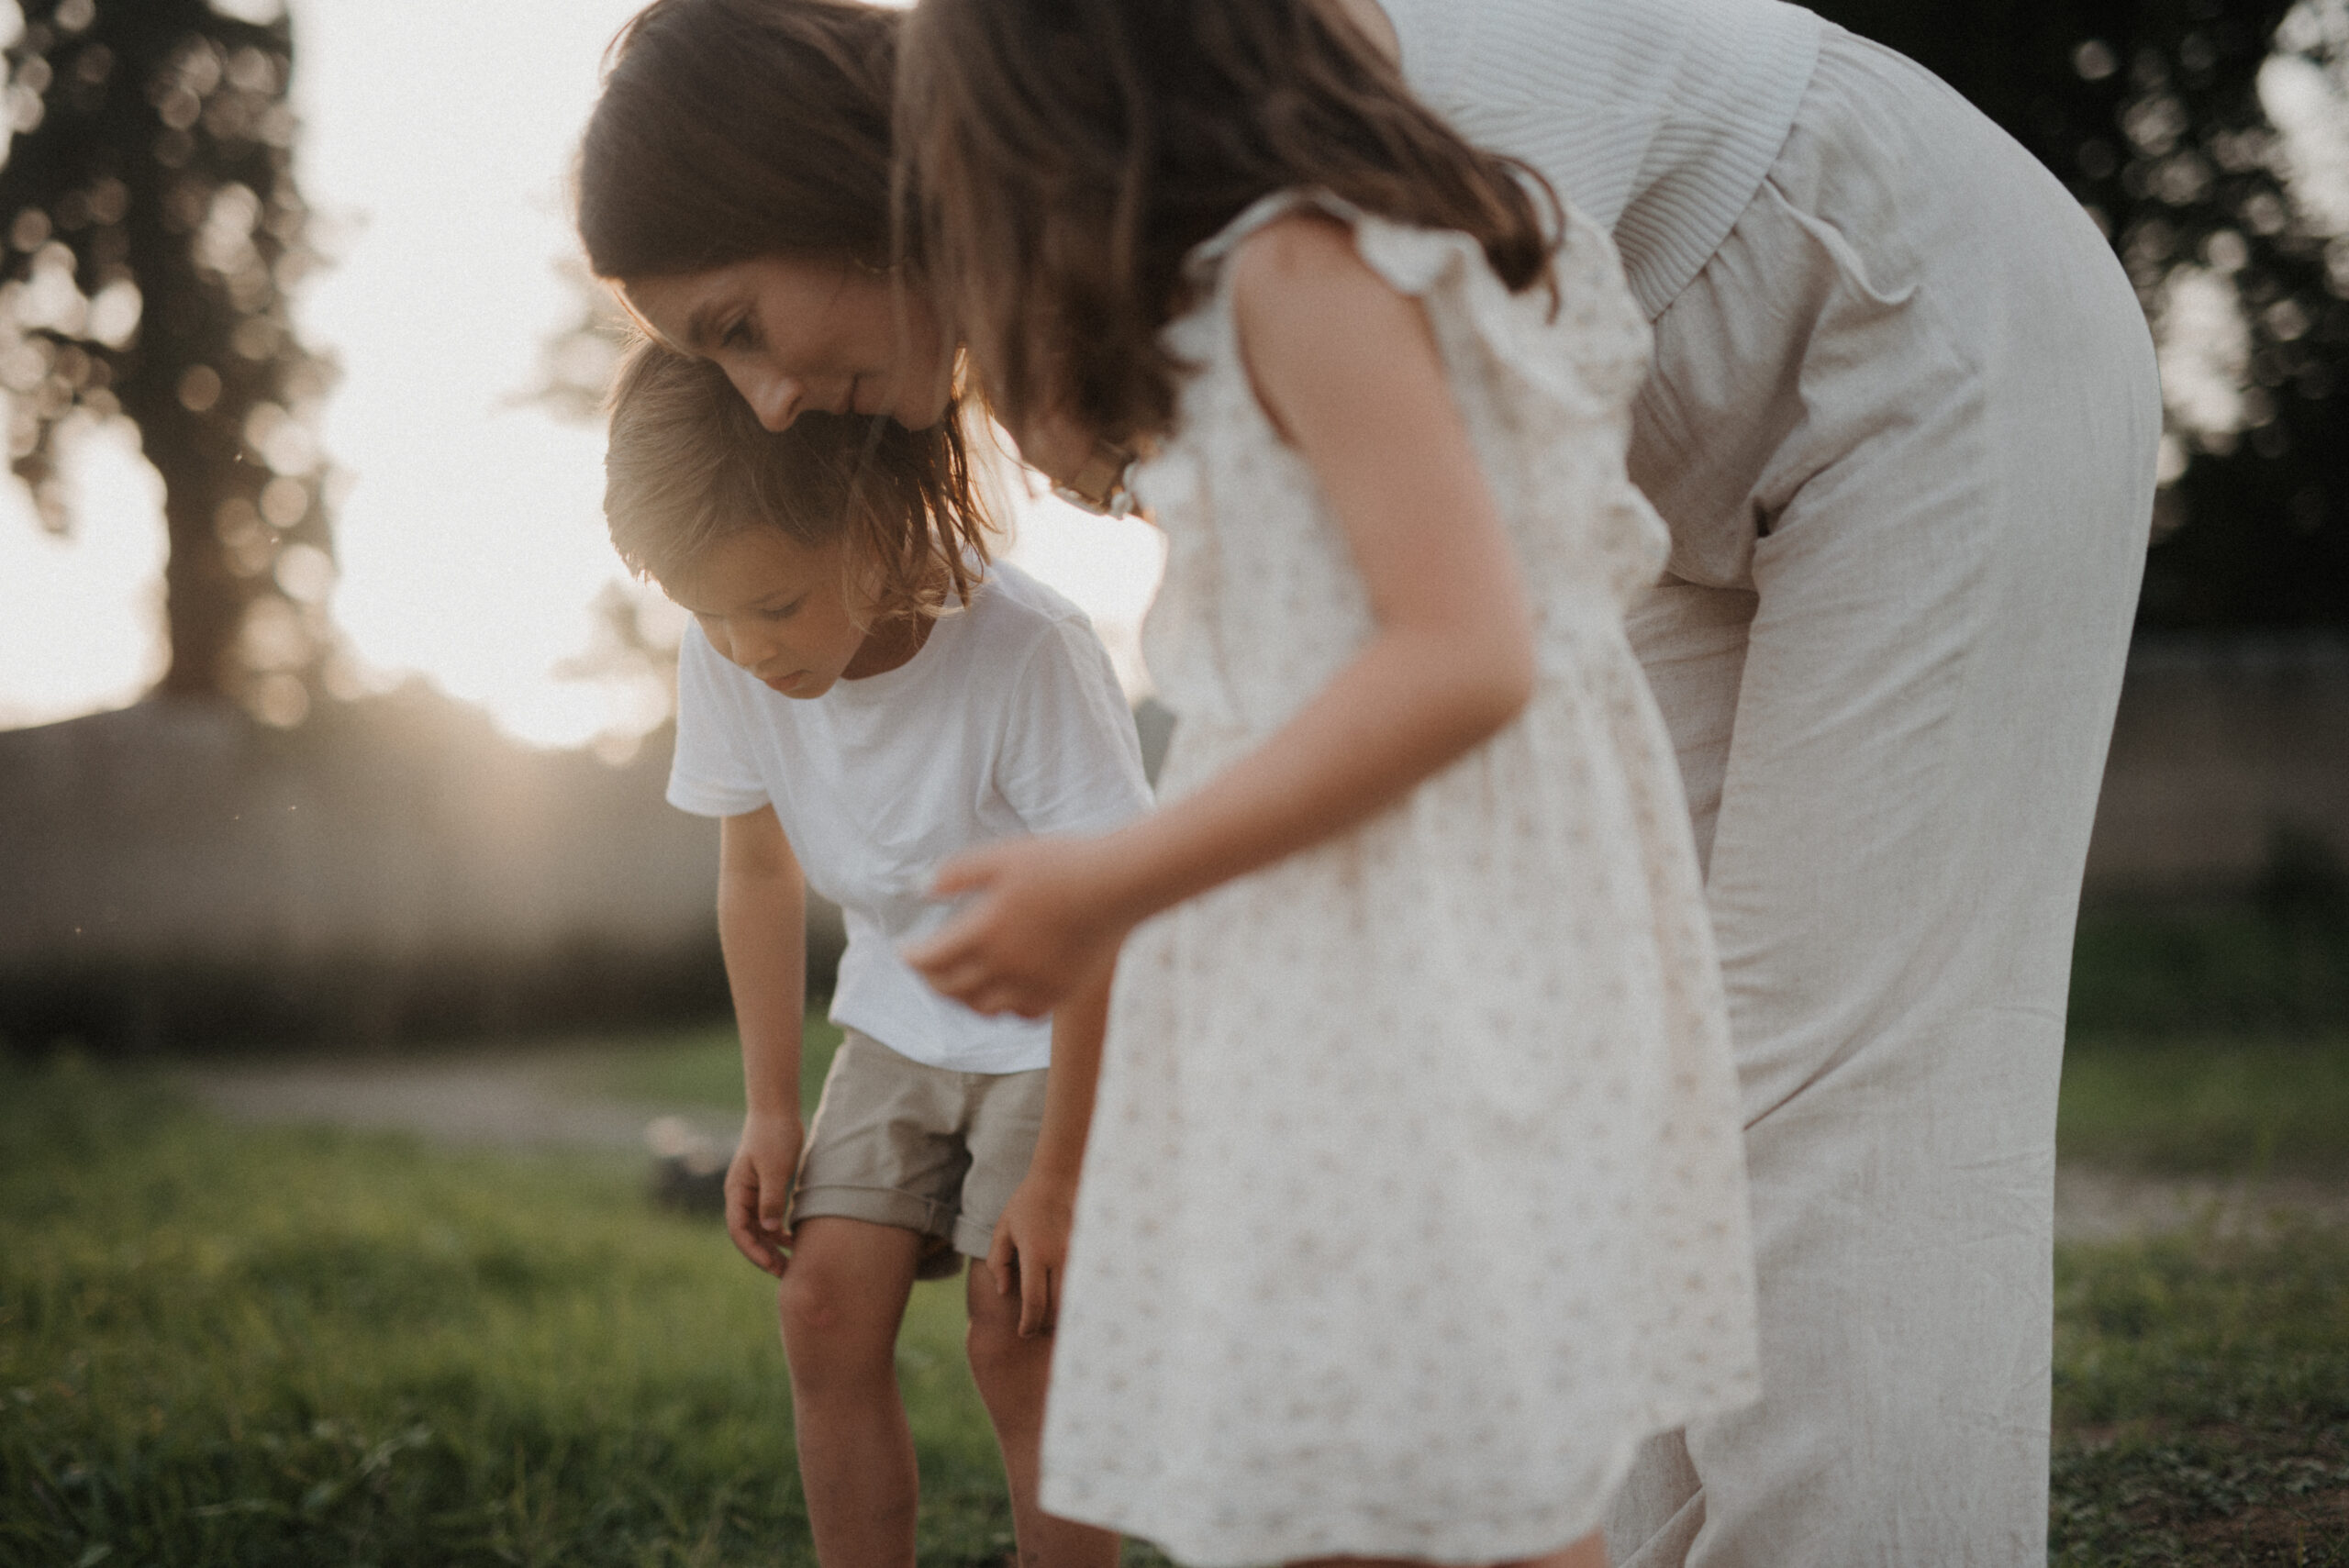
1063	156
731	129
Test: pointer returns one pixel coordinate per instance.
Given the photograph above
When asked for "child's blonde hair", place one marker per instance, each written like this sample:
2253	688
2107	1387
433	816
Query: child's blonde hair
688	464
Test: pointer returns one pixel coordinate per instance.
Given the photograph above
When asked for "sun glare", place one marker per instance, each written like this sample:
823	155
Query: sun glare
81	614
437	138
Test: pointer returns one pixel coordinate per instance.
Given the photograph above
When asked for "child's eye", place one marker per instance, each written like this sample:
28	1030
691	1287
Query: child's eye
738	334
782	612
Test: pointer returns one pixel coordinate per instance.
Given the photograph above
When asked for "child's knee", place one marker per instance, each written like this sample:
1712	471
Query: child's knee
835	1324
1001	1359
808	1304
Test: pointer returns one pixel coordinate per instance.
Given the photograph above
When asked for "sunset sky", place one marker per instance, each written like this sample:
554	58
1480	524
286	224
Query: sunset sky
438	134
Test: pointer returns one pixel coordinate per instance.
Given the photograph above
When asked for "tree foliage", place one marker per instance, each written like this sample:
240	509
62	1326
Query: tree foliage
152	232
2160	117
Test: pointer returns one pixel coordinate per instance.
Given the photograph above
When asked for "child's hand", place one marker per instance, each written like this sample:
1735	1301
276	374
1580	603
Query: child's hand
758	1190
1041	925
1031	1248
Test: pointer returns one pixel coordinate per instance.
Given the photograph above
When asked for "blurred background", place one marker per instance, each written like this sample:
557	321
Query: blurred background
332	740
331	715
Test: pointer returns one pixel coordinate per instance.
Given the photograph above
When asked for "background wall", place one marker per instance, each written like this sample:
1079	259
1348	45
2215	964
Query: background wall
176	874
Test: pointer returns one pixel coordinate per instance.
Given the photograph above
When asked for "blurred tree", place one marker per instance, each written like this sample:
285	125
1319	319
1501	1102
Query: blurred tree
634	646
2210	140
577	362
152	232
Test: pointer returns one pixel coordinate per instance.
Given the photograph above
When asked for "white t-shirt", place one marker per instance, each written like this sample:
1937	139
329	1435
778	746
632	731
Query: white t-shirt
1009	722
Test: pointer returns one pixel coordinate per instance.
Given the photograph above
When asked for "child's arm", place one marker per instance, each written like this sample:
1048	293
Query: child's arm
1348	370
762	929
1031	1239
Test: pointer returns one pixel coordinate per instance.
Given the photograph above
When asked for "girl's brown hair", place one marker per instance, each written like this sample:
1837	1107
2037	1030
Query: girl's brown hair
1067	154
688	464
731	129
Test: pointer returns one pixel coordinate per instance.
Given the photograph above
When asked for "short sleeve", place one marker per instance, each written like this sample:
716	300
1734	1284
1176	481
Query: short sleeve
1071	760
712	773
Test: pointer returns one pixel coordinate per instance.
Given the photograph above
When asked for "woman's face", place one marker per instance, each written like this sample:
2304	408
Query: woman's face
794	333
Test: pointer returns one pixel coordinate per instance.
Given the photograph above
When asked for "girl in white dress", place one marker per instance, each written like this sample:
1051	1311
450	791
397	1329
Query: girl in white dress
1415	1199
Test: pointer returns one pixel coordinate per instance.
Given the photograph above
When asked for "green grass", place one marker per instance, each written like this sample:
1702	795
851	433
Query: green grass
2237	970
2217	1106
704	1068
257	1348
233	1347
238	1347
2202	1402
2202	1381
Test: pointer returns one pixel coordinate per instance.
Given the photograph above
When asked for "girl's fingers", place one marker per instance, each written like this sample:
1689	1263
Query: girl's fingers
957	941
959	981
963	873
1005	997
961	962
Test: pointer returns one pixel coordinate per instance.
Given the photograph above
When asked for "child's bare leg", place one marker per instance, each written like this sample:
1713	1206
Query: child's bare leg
1590	1551
843	1295
1010	1373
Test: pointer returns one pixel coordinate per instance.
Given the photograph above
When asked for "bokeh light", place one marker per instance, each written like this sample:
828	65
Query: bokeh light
436	139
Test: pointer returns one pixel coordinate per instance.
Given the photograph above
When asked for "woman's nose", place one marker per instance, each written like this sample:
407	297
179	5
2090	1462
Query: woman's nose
776	399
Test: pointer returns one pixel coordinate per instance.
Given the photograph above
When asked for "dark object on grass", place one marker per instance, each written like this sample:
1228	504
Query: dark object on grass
688	1166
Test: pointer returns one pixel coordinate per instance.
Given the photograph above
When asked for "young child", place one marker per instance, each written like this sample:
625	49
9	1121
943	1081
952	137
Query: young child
856	703
1418	1202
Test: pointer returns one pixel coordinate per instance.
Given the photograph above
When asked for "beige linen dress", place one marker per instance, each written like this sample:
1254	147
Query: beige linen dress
1414	1199
1901	422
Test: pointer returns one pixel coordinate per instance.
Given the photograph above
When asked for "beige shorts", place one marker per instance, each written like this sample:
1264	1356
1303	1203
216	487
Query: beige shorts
926	1149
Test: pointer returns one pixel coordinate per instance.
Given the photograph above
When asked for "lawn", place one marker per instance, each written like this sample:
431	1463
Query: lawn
253	1348
704	1068
2201	1380
2202	1402
261	1347
2205	1106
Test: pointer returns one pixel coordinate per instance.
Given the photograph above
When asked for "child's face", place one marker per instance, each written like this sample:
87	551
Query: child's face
788	613
795	334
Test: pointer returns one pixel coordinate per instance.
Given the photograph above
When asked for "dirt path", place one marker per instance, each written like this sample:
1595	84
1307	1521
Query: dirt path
546	1096
553	1096
2095	1205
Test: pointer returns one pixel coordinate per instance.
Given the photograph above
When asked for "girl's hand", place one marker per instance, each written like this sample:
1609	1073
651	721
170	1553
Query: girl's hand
1031	1248
1042	922
758	1190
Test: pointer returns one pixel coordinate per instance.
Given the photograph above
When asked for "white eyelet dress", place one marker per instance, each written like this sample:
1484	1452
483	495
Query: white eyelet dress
1414	1198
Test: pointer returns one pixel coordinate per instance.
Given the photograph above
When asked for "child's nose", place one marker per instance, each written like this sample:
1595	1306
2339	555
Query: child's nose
748	646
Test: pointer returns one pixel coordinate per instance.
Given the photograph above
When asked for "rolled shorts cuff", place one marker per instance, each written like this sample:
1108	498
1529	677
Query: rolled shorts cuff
942	1231
972	1238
